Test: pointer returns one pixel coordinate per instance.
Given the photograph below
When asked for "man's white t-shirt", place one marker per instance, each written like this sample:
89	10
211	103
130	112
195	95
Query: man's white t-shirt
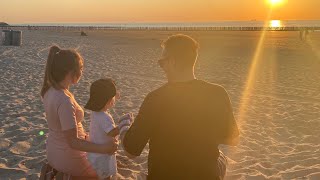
101	123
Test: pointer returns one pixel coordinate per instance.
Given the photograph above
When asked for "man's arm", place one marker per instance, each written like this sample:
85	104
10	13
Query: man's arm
130	156
229	132
137	136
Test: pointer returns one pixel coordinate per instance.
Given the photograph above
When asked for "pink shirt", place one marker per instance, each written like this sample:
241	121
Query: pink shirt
64	113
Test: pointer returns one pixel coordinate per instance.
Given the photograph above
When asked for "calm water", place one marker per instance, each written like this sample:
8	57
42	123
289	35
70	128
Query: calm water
253	23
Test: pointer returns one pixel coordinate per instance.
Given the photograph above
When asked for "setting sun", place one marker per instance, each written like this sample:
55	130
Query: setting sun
275	23
276	2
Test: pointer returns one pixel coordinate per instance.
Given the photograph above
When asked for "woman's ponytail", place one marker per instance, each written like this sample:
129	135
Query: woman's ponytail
47	81
60	62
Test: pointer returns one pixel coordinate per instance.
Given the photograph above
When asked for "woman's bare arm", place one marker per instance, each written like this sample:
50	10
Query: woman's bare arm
86	146
114	132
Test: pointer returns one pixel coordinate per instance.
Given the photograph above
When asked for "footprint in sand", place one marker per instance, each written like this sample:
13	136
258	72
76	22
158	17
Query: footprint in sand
21	147
7	52
40	51
4	144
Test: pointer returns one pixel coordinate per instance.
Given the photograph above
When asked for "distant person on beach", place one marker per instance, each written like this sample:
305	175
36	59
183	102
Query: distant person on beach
103	96
67	140
184	121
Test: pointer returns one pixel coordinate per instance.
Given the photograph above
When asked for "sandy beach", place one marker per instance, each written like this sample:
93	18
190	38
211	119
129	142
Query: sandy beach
273	82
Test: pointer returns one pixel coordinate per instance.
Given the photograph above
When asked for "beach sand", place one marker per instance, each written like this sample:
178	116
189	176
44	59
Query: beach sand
278	109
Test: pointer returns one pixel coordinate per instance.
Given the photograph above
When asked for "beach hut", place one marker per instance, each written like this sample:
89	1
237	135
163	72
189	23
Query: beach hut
11	38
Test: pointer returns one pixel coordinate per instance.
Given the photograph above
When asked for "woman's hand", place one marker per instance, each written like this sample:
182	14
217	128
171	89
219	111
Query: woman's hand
111	147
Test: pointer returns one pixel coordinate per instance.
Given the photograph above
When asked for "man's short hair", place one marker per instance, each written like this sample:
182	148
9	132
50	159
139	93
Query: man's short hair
183	48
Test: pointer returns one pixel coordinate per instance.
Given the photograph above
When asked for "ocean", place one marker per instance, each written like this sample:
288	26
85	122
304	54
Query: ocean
252	23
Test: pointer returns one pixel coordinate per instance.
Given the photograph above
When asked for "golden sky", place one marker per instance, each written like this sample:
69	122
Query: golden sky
50	11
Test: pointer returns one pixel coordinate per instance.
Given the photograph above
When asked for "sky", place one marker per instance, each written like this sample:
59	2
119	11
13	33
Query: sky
103	11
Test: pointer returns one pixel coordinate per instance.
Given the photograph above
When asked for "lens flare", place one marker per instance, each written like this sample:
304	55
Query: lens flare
41	133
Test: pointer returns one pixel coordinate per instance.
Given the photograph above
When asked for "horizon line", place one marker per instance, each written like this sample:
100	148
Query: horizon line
158	22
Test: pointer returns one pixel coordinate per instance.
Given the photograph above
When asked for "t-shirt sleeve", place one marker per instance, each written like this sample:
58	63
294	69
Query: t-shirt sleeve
227	128
106	123
67	116
138	135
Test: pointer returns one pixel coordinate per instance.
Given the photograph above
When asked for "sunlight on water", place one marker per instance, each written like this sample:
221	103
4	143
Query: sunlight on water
275	23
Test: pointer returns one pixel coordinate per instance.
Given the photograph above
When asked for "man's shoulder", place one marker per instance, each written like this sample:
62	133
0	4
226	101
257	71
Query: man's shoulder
212	87
157	91
202	84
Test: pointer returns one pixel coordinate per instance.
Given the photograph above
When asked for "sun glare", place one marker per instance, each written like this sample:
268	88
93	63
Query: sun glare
275	23
276	2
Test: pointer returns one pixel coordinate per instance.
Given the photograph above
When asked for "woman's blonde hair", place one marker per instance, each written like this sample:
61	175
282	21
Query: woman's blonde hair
60	62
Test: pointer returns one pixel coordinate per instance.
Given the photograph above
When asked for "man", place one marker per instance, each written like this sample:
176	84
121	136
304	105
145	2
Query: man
184	121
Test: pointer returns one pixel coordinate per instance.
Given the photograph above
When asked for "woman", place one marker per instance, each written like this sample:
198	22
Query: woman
66	144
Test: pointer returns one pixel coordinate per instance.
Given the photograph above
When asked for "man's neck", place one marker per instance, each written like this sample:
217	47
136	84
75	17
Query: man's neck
182	77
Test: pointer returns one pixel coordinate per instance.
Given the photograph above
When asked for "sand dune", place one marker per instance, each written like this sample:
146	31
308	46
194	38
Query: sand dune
280	131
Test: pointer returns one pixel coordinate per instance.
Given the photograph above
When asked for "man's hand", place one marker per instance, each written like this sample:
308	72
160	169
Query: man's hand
125	123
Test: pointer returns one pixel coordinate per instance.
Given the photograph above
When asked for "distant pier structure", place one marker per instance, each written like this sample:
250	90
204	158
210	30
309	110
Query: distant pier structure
16	35
11	38
156	28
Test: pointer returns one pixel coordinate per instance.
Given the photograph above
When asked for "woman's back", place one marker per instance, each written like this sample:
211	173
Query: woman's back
63	113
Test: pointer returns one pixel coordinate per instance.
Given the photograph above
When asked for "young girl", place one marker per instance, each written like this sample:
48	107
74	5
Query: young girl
103	95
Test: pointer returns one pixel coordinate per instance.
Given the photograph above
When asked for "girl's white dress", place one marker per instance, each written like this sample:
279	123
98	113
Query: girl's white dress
102	123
